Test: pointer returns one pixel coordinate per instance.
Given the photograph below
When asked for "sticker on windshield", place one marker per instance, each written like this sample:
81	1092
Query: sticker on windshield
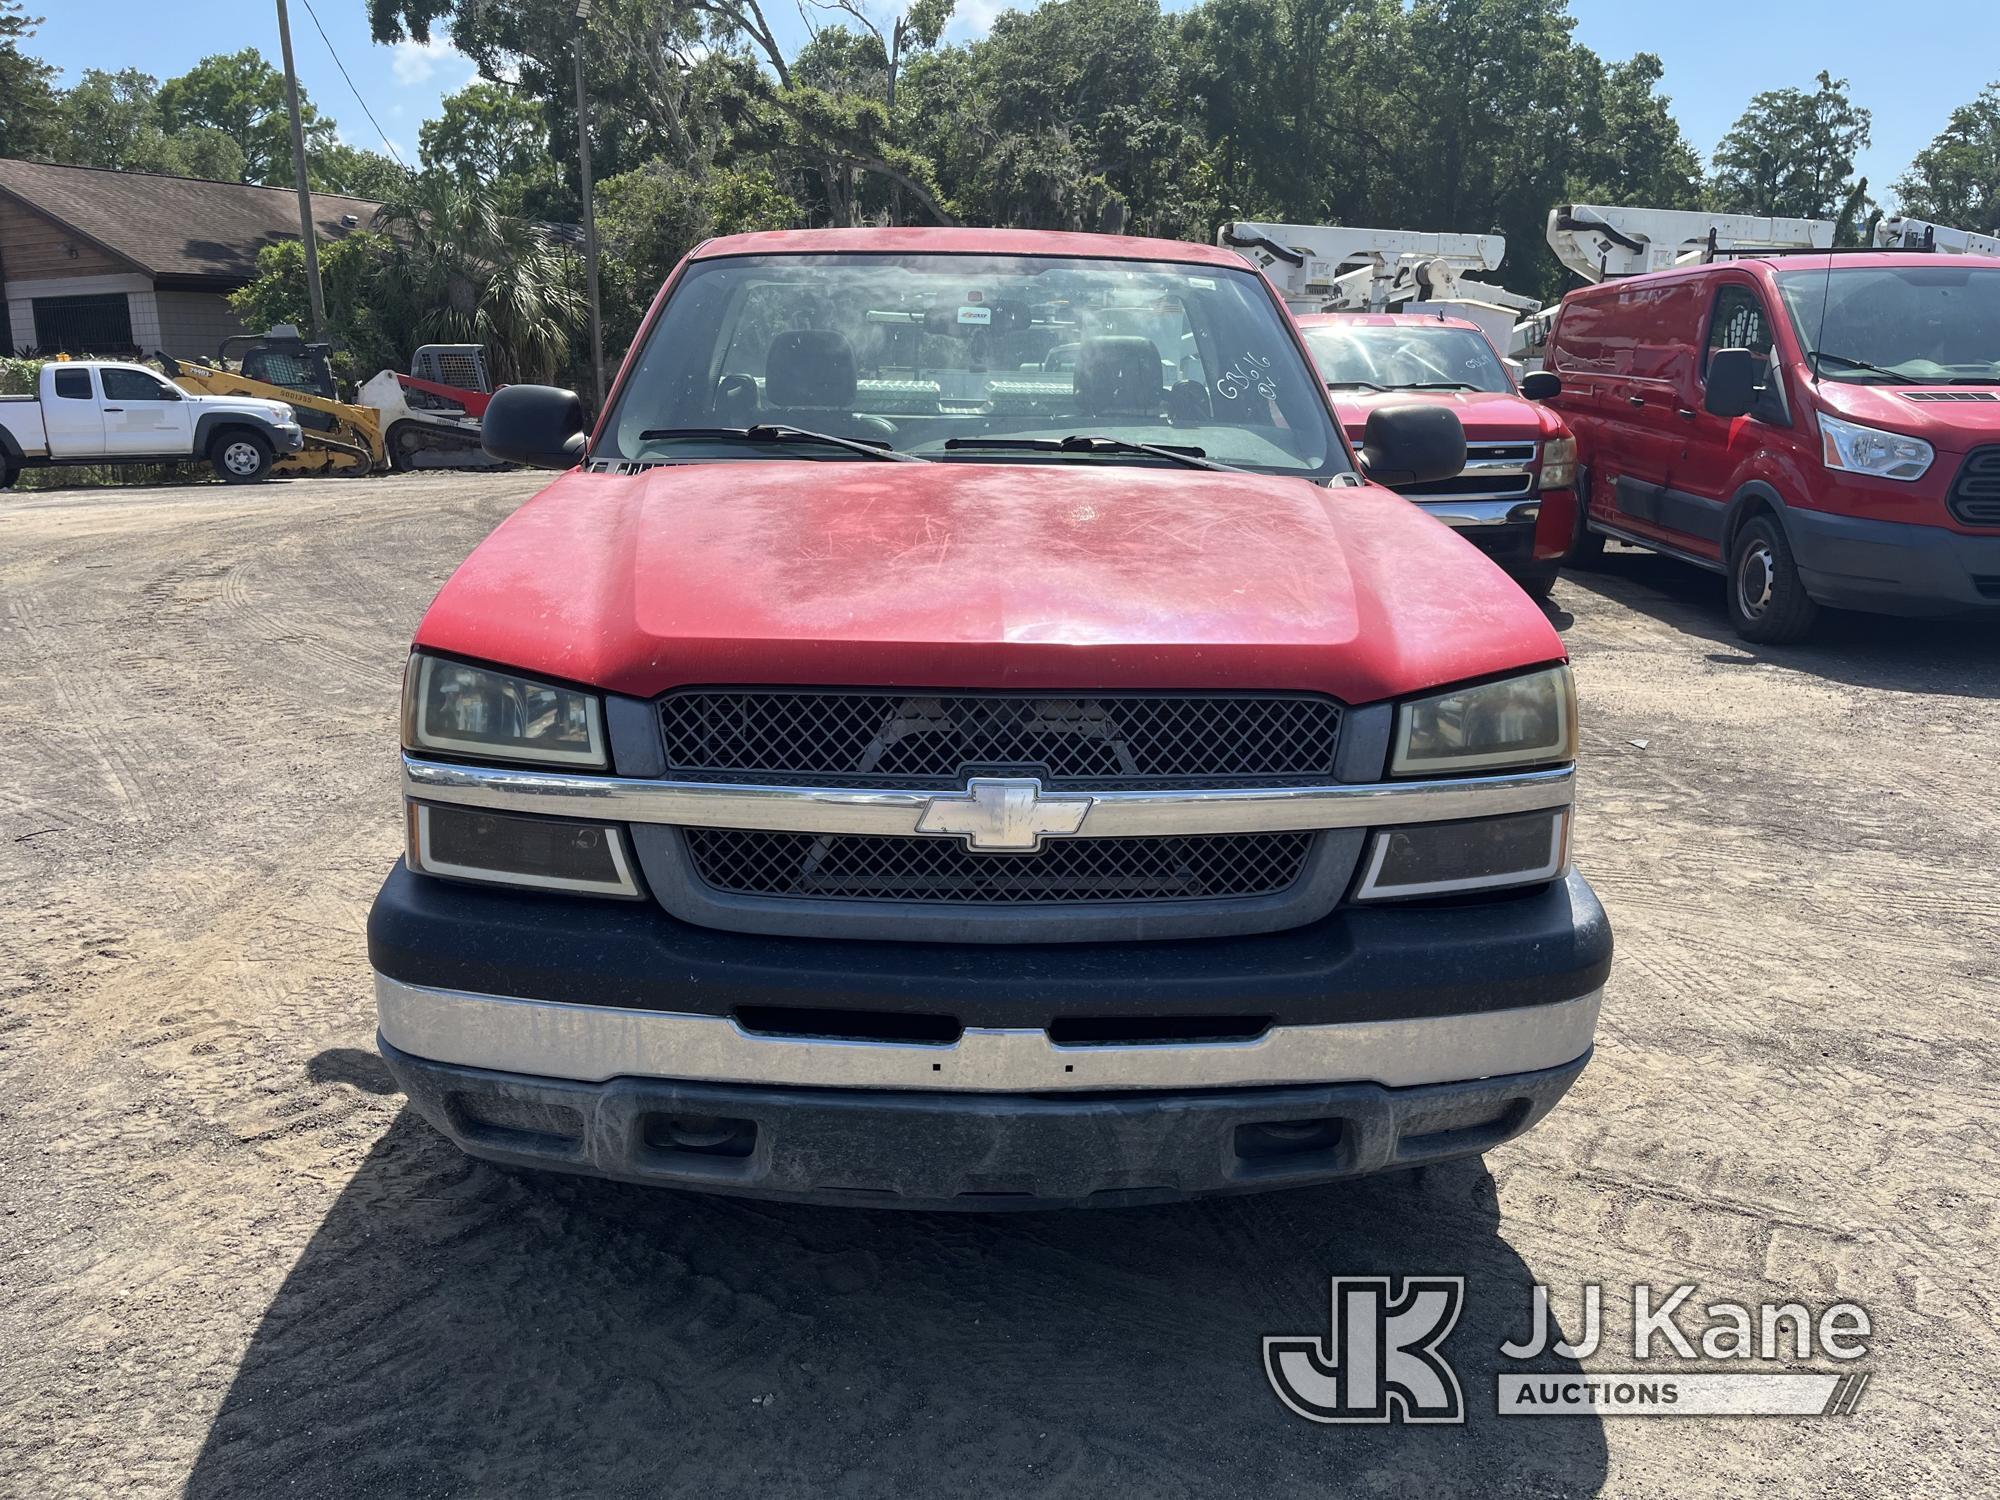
980	315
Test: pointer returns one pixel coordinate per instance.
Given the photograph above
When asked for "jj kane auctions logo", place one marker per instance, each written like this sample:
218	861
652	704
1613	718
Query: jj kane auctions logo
1382	1360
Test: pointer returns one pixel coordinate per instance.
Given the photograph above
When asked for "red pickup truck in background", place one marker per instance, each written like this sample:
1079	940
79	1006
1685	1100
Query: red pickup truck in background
965	732
1515	498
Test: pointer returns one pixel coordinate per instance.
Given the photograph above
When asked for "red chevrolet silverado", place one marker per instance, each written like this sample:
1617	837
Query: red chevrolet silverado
1515	499
966	731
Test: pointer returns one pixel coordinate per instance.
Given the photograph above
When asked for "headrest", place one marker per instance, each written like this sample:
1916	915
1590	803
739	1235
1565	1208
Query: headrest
1118	377
809	367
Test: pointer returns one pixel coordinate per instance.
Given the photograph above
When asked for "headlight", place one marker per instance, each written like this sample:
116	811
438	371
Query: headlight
1559	464
1868	450
489	715
1486	854
1518	721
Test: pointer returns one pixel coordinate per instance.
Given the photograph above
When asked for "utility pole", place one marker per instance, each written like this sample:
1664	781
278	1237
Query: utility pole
589	212
307	233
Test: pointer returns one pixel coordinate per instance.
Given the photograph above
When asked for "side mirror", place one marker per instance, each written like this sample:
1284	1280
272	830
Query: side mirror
1412	445
1732	382
537	425
1541	385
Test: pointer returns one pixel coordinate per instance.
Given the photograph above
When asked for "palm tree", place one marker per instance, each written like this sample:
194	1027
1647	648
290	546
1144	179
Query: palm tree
466	274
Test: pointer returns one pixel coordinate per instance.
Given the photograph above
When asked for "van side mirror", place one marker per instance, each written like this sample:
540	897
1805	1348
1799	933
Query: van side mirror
537	425
1541	385
1412	445
1732	382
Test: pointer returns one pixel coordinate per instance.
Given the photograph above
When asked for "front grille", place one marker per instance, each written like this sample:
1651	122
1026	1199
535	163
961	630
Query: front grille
805	866
927	741
1975	499
1493	471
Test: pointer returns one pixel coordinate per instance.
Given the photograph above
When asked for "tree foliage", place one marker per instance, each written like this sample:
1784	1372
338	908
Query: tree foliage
27	87
243	96
1791	154
1956	178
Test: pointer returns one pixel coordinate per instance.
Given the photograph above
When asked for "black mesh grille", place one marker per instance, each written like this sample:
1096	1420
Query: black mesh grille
924	741
1975	499
868	868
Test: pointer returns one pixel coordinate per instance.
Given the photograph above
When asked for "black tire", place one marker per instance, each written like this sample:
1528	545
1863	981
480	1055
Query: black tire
8	473
1538	581
404	441
1767	602
240	456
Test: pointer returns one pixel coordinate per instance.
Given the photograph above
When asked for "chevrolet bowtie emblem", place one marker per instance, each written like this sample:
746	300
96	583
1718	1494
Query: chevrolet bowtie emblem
998	815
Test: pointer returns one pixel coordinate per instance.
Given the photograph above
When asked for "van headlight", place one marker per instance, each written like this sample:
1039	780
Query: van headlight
1522	721
1854	449
1559	463
483	714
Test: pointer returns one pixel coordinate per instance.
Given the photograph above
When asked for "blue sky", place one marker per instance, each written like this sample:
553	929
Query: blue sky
1909	64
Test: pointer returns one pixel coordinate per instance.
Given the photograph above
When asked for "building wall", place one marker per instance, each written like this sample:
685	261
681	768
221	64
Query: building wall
140	299
193	324
33	246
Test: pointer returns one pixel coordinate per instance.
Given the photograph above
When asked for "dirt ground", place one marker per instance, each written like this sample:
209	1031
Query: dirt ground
231	1264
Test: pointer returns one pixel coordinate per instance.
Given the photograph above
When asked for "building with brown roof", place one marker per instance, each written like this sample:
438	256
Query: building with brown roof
101	262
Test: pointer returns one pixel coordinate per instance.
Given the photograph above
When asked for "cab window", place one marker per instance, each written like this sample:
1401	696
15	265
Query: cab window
1740	322
73	385
136	385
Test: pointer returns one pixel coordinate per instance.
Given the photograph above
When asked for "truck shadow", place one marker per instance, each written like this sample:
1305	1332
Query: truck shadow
1959	657
453	1330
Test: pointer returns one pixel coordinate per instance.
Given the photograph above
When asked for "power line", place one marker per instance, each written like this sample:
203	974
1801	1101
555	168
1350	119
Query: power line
352	89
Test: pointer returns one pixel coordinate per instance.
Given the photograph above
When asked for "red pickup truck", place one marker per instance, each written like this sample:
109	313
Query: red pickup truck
965	732
1515	498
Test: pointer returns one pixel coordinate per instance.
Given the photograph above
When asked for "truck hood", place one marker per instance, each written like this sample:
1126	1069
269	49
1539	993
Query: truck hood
982	576
1953	425
276	411
1488	416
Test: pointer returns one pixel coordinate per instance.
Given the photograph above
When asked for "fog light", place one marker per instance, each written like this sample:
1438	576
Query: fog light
1437	859
551	854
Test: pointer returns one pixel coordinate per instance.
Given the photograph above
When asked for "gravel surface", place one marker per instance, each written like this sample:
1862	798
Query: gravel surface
232	1264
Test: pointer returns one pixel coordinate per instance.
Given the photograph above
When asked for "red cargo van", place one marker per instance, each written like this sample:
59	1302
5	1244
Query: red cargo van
1821	429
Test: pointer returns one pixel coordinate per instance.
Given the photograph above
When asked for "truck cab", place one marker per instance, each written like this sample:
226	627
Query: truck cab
1820	429
964	731
1514	498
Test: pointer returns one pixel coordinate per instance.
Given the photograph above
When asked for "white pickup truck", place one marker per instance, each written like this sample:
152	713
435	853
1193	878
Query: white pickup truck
97	412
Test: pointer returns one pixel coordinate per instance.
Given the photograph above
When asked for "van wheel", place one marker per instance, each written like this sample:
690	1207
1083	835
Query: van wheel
1538	582
241	457
1767	602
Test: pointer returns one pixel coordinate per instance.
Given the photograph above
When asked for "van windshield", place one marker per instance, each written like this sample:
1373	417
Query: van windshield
1403	356
1908	325
975	358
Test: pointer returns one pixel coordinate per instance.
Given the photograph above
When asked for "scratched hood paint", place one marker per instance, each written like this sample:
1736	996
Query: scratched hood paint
978	575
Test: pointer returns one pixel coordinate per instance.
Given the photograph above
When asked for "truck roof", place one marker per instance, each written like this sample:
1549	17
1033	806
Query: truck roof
925	240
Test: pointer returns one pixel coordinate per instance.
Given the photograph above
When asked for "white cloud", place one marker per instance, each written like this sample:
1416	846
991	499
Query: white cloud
414	62
974	18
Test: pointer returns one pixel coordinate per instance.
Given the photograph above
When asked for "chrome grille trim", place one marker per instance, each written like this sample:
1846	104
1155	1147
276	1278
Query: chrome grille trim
866	810
1493	471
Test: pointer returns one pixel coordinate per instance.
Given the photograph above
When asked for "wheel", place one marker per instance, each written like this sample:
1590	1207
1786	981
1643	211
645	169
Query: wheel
1767	602
241	457
1536	582
8	473
405	441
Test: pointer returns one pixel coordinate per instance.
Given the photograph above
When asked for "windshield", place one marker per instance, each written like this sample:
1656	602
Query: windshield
1924	325
1401	356
918	352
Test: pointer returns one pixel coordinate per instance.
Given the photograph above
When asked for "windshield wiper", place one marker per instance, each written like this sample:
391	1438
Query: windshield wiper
1898	376
1354	385
772	432
1438	385
1193	458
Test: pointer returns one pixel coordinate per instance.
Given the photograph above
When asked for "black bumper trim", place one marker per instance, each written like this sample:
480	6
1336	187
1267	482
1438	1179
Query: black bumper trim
1894	567
981	1152
1359	964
